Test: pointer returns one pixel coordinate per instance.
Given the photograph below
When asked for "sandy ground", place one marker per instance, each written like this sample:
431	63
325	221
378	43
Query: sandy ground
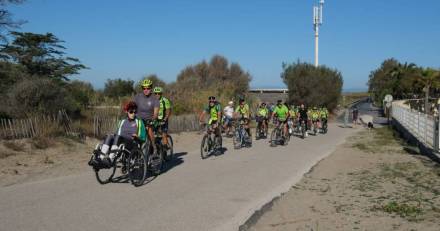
26	160
370	183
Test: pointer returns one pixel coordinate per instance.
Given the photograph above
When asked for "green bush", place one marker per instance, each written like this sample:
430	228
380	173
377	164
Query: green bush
117	88
196	83
38	96
313	86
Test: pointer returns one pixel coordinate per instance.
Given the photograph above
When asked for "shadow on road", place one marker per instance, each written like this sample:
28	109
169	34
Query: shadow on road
177	160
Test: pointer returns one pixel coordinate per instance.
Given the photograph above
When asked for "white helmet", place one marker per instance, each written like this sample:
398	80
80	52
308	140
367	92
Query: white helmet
230	103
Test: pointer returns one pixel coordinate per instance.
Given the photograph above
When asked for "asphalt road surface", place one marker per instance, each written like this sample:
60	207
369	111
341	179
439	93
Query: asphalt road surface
365	107
219	193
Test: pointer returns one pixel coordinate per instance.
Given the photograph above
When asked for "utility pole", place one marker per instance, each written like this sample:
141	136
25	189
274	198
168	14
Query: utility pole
317	22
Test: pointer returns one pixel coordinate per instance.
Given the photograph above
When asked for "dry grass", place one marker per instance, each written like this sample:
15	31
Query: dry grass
352	97
41	142
14	146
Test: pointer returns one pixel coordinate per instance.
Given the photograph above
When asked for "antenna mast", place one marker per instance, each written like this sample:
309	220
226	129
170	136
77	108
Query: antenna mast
317	22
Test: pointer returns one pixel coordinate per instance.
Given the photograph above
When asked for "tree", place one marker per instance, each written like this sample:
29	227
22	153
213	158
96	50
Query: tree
430	79
41	55
38	96
157	82
216	77
10	73
402	81
313	86
116	88
381	82
81	92
6	21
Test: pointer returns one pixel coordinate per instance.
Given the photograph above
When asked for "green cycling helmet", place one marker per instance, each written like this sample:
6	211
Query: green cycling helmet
146	83
157	90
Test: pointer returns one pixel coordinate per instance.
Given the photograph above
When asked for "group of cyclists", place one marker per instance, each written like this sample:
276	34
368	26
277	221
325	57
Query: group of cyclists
146	125
148	112
223	120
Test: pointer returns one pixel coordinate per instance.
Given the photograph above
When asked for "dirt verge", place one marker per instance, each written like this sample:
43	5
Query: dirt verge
370	183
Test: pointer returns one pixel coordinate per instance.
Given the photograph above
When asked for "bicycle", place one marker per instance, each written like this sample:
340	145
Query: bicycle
166	150
302	128
134	162
324	128
291	127
278	136
209	143
261	133
314	127
228	126
154	157
241	137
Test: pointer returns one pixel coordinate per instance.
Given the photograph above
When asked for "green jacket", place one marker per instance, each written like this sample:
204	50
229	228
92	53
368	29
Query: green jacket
140	129
165	104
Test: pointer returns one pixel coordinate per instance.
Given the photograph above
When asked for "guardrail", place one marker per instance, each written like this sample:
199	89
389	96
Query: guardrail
422	126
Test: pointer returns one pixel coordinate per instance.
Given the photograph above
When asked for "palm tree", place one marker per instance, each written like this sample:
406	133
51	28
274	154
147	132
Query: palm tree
430	78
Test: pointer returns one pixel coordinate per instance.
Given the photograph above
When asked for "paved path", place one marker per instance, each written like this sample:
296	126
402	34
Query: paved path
218	193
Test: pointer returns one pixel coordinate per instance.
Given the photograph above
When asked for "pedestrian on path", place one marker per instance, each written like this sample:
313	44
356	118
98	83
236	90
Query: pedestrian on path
355	115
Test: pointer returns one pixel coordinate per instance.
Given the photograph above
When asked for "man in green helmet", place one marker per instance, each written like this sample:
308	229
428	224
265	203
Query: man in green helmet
148	109
281	113
214	110
164	113
243	113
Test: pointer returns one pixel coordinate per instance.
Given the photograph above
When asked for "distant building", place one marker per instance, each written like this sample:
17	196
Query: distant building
269	95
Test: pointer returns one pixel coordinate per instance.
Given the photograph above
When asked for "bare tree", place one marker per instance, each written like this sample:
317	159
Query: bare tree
6	21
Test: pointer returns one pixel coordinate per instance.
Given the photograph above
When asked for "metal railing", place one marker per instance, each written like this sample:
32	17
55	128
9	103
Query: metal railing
422	126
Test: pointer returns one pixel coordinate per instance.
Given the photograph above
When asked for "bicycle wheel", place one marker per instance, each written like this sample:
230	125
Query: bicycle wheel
204	147
105	175
137	167
237	139
303	131
218	144
257	132
156	160
169	152
286	137
274	138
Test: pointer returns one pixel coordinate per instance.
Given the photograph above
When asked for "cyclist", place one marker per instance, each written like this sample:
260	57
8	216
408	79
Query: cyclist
263	116
293	112
281	112
315	116
303	116
148	109
164	114
243	112
228	113
324	115
215	114
130	132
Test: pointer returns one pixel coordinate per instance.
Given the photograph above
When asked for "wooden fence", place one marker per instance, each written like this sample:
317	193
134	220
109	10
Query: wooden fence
103	125
35	126
97	125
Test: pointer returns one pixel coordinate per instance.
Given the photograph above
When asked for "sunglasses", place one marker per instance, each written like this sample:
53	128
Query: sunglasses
131	112
212	101
157	93
146	88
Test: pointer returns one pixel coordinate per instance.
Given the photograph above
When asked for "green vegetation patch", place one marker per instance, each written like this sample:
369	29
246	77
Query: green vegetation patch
402	209
379	140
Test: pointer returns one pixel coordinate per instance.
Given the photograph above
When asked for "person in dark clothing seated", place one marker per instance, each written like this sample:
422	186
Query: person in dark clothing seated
130	132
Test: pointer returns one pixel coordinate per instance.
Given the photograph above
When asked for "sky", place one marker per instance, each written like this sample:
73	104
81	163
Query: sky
133	38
